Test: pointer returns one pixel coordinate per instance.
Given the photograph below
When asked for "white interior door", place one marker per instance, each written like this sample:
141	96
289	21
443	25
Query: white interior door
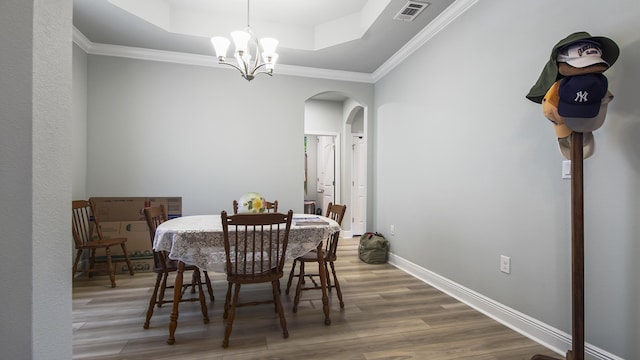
326	170
358	186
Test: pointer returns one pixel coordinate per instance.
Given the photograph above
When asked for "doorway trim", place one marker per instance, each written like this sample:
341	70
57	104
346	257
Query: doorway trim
337	162
353	111
350	117
354	182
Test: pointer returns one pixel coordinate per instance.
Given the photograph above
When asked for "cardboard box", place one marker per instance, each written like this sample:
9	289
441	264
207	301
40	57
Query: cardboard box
138	244
124	217
131	208
120	267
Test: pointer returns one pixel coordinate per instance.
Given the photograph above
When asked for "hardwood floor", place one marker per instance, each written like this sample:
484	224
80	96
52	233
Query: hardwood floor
388	315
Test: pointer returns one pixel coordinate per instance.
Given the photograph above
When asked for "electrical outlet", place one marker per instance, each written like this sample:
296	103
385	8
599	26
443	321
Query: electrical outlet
505	264
392	229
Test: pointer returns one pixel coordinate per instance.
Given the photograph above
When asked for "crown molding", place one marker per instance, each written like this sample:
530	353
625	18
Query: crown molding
451	13
81	40
324	74
202	60
456	9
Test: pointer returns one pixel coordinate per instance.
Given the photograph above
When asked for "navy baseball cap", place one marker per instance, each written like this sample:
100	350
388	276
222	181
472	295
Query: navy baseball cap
584	125
581	95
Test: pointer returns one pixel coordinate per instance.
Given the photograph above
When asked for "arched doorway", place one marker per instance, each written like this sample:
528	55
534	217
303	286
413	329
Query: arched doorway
335	129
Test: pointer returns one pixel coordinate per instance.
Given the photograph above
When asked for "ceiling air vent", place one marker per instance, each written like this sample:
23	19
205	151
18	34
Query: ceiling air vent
410	10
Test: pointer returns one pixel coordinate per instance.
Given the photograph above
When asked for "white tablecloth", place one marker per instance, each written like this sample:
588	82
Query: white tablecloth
198	239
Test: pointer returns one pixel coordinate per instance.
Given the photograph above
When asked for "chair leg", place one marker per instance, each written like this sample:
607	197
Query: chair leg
209	286
313	280
293	268
177	298
227	302
112	273
126	258
232	315
336	284
153	301
279	309
92	262
193	280
203	301
75	263
279	292
163	287
298	287
326	268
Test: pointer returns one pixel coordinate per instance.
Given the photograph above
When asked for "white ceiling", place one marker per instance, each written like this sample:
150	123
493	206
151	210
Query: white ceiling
346	35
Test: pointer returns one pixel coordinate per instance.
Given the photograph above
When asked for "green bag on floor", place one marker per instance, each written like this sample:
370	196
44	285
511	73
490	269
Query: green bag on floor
373	248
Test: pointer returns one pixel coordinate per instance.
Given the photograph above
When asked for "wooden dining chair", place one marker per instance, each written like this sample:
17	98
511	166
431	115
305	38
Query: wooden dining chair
329	249
269	206
255	247
163	266
84	223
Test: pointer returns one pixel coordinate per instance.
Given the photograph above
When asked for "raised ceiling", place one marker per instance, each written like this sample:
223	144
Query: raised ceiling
356	36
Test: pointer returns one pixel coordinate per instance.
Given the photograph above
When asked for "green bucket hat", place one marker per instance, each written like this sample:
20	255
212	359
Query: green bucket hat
550	74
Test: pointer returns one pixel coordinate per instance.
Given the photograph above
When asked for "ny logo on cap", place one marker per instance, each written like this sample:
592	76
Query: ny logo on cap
581	96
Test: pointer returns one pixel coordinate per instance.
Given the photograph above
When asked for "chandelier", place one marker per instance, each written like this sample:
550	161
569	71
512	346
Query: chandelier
249	65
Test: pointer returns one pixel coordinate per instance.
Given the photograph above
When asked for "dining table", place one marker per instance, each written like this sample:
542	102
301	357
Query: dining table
199	240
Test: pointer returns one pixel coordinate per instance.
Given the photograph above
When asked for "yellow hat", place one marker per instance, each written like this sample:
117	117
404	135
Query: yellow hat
550	110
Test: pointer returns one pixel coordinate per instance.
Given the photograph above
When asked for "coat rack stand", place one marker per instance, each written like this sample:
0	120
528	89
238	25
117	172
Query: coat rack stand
577	252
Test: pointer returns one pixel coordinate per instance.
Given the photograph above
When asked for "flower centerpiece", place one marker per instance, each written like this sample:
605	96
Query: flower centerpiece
251	202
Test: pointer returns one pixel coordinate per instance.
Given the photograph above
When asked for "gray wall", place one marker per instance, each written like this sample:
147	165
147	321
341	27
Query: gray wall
467	169
161	129
35	179
79	128
323	117
453	131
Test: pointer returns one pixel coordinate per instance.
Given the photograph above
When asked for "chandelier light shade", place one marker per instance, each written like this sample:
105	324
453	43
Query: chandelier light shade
264	52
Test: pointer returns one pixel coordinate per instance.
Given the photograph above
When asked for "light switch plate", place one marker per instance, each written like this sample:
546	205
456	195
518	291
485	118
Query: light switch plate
566	169
505	264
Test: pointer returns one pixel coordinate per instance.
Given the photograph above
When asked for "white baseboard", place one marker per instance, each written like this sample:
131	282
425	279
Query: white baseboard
346	234
537	331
